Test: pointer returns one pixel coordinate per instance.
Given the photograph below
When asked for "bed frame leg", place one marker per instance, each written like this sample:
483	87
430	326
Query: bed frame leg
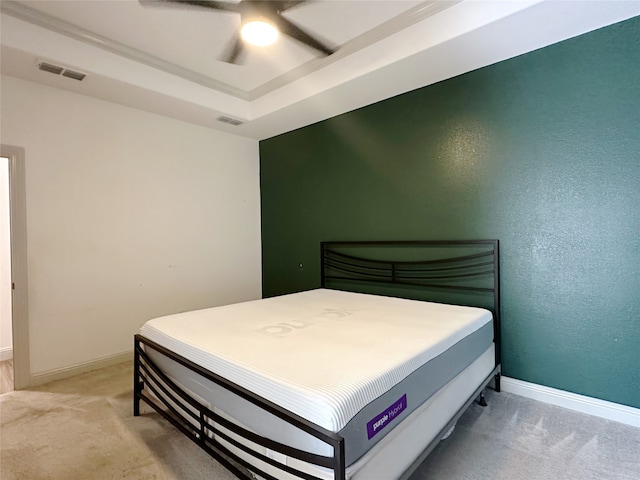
137	382
136	399
481	400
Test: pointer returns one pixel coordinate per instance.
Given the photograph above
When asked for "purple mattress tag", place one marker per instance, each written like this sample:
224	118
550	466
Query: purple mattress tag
377	423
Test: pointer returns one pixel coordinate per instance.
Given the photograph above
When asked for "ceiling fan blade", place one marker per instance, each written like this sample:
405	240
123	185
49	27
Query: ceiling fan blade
288	28
234	50
209	5
281	6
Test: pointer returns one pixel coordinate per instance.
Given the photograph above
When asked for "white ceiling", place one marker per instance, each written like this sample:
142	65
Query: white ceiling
165	59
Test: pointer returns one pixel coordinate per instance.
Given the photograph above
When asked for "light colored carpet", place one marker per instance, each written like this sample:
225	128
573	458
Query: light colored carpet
6	376
83	428
516	438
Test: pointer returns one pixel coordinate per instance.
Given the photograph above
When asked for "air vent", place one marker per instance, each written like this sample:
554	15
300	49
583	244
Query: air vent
230	121
47	67
58	70
75	75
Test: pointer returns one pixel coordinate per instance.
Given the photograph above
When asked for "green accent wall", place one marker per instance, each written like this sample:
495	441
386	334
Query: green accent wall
541	151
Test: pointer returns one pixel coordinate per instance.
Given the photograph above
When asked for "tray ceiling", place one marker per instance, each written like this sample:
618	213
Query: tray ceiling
165	59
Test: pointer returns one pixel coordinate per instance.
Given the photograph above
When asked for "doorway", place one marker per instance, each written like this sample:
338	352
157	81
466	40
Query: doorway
6	318
15	370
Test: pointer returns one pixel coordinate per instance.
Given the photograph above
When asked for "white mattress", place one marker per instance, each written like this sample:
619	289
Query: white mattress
337	351
388	459
397	451
403	445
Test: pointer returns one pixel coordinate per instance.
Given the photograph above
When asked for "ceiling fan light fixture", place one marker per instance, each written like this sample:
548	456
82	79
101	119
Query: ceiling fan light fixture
259	32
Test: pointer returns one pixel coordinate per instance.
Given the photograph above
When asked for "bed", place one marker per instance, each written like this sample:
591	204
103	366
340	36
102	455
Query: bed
358	379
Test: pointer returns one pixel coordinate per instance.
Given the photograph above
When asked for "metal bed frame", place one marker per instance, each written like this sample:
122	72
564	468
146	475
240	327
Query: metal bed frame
474	271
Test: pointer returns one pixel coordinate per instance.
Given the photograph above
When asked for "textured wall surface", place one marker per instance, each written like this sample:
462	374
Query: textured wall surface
541	151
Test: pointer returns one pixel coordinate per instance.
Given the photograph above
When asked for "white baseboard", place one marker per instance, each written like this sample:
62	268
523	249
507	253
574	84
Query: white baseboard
6	353
573	401
72	371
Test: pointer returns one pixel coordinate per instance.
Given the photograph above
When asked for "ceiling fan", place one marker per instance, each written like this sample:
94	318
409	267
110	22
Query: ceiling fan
265	16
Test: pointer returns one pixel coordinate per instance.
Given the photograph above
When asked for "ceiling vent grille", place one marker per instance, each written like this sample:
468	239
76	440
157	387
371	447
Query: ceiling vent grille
230	121
58	70
48	67
75	75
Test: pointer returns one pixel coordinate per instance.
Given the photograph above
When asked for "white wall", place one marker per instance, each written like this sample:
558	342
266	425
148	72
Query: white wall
130	215
6	341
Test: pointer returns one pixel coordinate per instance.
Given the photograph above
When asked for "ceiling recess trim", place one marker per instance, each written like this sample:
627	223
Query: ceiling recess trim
35	17
396	24
410	17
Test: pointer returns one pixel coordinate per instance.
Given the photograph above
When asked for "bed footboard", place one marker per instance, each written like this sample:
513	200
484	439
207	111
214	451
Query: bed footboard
216	434
205	427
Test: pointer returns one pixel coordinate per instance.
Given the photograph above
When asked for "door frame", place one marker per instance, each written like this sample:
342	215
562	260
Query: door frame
19	297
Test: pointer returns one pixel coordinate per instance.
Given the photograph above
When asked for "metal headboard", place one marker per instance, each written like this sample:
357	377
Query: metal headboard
454	267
